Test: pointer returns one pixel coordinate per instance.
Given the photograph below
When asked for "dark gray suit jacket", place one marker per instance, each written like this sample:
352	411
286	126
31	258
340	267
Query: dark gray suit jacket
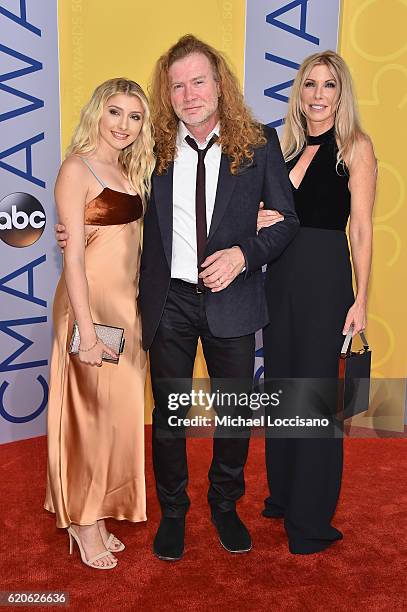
239	309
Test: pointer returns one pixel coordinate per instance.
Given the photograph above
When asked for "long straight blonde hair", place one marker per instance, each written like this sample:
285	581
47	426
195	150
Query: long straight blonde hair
137	160
347	125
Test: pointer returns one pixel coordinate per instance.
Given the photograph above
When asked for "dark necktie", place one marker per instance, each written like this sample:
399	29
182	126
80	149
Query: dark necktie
200	201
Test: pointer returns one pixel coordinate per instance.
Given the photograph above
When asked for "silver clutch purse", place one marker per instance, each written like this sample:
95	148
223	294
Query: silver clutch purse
113	337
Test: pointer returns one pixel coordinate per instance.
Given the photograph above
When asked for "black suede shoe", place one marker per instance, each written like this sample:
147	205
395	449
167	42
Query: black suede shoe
233	534
169	540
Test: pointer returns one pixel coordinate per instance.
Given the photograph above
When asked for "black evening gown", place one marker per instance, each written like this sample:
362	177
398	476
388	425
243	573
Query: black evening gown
309	291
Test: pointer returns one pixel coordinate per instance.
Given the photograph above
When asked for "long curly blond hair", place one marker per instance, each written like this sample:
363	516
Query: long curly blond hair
347	125
137	160
239	132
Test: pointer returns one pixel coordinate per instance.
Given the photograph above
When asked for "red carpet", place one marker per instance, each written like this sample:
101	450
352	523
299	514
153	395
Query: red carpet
366	571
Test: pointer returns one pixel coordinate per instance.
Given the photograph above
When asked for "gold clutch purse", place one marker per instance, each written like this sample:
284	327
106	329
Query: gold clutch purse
113	337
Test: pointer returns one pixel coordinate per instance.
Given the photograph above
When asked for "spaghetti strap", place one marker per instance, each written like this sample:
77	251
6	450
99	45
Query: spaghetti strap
93	172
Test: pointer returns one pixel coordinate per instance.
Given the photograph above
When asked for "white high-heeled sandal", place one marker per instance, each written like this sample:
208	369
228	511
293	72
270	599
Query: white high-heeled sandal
90	562
110	540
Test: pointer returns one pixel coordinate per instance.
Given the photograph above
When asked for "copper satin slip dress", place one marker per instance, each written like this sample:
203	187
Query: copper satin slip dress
96	415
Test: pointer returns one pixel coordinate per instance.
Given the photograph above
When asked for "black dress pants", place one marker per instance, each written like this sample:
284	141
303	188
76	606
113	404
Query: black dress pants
172	356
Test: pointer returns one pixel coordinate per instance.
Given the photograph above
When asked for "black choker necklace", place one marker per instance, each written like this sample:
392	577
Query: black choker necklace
321	138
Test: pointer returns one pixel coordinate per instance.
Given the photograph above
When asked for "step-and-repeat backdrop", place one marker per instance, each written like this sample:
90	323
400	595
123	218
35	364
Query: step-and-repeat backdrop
42	81
29	160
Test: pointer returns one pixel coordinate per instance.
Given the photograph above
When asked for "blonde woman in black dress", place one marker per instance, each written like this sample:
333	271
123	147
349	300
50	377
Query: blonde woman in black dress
332	169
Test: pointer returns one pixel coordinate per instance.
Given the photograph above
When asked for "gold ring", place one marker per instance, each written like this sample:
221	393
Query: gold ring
219	281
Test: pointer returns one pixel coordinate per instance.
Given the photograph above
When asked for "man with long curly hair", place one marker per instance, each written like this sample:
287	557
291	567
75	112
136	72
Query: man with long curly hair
201	266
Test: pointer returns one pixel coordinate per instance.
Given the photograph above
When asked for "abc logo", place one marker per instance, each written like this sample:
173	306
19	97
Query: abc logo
22	219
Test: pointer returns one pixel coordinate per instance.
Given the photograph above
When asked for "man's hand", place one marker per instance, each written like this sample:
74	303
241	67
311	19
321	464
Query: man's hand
267	217
61	236
221	268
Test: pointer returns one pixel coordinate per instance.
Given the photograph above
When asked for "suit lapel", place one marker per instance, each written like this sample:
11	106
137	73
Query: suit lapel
163	197
226	185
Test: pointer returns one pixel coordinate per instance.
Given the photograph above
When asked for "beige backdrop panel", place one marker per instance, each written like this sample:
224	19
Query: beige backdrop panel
373	42
101	40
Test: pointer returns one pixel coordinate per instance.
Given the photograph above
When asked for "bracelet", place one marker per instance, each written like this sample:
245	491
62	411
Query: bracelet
90	348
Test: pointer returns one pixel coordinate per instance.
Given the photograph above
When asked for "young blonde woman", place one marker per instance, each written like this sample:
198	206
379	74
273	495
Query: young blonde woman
332	169
96	412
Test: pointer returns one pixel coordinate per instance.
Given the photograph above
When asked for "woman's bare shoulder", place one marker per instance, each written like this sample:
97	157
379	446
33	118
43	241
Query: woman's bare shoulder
364	147
363	153
74	176
74	167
